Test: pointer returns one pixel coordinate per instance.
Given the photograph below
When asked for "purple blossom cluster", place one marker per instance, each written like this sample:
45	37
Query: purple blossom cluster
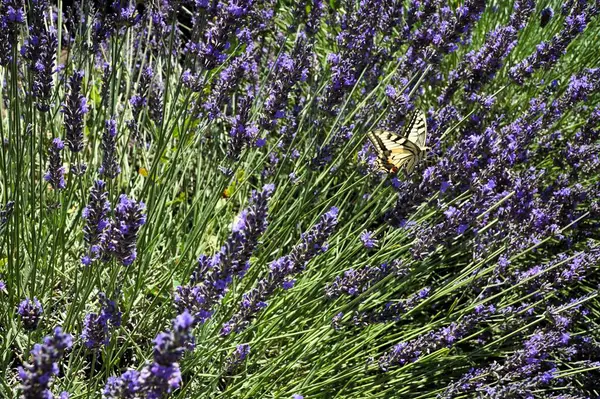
39	50
355	282
229	79
312	243
534	366
210	280
440	32
548	53
110	165
237	358
289	69
56	171
445	337
97	222
391	311
106	236
228	21
357	51
325	153
37	373
96	326
12	17
5	212
31	311
111	20
129	217
162	376
74	110
243	132
479	67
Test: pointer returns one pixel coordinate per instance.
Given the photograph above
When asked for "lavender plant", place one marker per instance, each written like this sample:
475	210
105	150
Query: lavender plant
220	225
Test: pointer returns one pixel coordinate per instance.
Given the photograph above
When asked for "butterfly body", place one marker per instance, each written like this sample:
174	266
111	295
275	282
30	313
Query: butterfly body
396	152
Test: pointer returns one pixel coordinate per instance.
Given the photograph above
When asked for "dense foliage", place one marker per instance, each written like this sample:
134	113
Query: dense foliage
190	206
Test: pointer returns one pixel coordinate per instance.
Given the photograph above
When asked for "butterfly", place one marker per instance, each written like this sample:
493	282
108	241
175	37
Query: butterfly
396	152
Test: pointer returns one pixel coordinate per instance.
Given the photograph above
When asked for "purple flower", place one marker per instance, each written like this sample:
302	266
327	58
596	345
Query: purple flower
129	217
368	239
297	396
527	370
97	222
110	165
229	79
313	21
213	275
96	327
355	282
327	152
30	311
226	20
36	376
74	109
140	100
127	386
545	16
114	17
391	311
479	67
5	213
289	70
547	54
243	132
162	376
56	171
356	41
311	244
237	358
155	100
11	17
40	50
105	89
445	337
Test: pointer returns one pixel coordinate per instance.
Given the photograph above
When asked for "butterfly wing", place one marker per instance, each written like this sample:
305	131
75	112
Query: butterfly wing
405	156
393	151
417	129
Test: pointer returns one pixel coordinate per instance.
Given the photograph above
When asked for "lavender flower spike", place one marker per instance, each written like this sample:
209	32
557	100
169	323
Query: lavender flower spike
96	229
411	351
30	311
368	239
162	376
213	275
236	359
125	386
96	327
110	166
36	376
312	243
56	172
75	108
548	53
40	50
355	282
129	217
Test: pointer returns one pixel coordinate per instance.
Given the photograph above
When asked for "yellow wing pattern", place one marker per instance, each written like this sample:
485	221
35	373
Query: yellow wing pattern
395	152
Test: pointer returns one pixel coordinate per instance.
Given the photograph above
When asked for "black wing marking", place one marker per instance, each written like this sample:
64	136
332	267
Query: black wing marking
393	151
417	129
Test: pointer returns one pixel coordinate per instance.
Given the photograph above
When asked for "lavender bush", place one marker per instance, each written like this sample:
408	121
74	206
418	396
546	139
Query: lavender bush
190	207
